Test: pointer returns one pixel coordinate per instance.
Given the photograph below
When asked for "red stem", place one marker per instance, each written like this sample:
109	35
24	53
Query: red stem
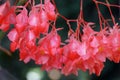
99	14
5	51
55	6
112	5
113	19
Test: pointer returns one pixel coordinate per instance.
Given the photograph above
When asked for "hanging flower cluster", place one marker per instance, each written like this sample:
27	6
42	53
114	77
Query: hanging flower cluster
91	51
86	50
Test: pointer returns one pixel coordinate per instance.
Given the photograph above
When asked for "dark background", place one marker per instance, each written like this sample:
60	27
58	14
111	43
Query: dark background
13	69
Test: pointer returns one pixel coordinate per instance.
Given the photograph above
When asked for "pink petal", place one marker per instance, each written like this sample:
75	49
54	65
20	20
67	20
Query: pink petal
13	35
94	42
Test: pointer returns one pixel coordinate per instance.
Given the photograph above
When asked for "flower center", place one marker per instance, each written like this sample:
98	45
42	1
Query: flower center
100	49
42	52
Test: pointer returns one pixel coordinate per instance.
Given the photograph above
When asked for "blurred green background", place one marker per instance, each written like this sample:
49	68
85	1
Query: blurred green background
69	9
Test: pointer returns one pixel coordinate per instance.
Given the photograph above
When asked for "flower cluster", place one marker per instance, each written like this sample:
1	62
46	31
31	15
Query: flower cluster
31	34
92	50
